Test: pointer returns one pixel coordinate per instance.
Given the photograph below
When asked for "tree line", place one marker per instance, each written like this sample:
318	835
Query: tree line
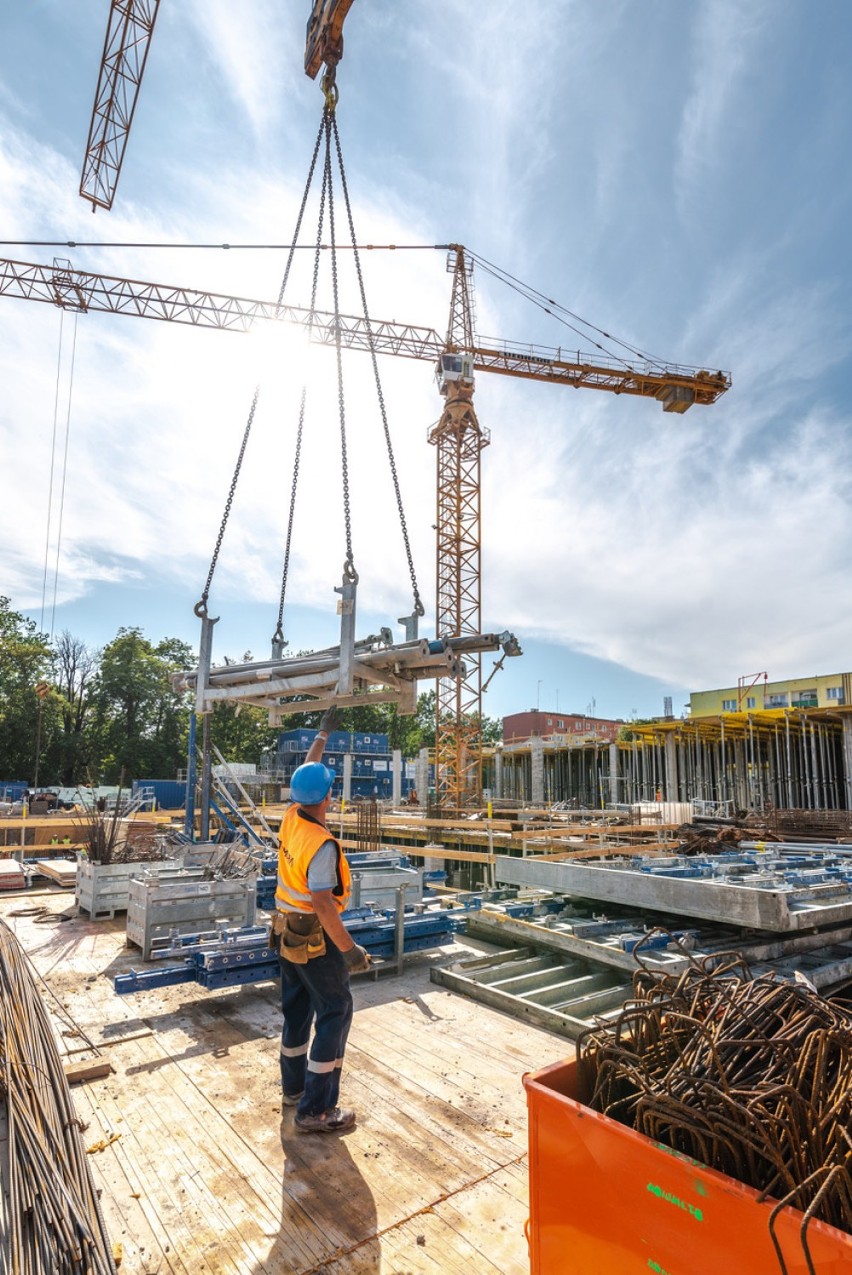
72	715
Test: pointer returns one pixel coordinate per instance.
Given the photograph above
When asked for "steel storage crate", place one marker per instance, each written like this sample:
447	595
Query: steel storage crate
381	885
605	1200
103	889
168	903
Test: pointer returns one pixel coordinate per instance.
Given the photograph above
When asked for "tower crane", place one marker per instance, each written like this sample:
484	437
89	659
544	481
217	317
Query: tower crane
128	36
130	26
458	437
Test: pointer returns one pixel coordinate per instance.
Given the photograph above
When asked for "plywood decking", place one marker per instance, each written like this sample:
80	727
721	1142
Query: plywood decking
208	1177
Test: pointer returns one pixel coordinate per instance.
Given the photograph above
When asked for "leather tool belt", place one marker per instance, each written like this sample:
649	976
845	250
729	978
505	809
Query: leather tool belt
297	936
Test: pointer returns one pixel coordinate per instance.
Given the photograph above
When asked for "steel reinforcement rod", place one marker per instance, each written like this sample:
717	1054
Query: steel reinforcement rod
752	1077
49	1214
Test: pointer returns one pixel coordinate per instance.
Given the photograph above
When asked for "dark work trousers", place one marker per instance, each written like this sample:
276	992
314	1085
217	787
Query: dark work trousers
317	992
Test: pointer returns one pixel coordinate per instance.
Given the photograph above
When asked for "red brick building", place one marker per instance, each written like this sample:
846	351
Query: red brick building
566	728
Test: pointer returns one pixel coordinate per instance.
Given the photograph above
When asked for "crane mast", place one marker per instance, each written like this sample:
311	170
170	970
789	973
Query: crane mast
459	440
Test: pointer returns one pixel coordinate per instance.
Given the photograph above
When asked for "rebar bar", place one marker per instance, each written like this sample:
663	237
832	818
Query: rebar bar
49	1214
752	1077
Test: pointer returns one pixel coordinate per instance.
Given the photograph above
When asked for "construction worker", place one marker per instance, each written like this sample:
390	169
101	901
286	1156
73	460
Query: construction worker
317	954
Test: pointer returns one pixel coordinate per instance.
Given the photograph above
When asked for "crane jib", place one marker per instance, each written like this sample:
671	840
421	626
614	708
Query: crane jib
79	290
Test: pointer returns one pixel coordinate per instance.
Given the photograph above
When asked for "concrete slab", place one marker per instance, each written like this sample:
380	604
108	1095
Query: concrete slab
775	906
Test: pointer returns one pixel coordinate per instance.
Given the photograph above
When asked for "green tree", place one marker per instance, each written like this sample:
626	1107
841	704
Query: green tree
25	659
425	720
139	724
242	732
627	734
492	729
74	670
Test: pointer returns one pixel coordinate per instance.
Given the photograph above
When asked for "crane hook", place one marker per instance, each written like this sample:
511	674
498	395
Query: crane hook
328	84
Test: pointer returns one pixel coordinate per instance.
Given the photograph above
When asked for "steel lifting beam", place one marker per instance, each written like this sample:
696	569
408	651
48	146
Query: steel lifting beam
371	671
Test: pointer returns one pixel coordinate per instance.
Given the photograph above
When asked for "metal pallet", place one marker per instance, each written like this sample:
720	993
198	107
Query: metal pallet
563	994
167	902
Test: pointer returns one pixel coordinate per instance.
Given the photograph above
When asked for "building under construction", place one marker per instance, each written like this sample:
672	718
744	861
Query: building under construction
785	758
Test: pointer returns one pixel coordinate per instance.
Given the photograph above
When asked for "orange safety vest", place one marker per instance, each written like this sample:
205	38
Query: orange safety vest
300	838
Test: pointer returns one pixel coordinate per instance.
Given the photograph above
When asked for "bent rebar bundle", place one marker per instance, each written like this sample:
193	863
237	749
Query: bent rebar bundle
50	1220
752	1078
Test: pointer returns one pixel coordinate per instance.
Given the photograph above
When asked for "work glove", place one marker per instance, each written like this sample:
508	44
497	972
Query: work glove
357	959
330	719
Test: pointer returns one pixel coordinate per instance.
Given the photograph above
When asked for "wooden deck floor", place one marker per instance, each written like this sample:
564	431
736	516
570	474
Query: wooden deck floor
208	1176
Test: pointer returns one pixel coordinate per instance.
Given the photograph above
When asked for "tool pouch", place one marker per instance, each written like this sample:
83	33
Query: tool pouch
297	937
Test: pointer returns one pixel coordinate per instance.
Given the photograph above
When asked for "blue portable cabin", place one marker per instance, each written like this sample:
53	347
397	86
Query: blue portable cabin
13	790
169	794
372	768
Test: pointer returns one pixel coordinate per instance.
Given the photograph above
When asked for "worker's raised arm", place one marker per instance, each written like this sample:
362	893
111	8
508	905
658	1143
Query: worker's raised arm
328	723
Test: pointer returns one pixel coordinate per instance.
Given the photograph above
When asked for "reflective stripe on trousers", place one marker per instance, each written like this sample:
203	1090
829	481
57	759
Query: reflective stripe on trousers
315	994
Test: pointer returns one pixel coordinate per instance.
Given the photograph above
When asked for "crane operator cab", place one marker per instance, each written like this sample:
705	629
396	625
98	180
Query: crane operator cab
454	369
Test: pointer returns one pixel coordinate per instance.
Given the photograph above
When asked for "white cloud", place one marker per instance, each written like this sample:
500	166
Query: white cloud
686	548
682	571
728	39
249	48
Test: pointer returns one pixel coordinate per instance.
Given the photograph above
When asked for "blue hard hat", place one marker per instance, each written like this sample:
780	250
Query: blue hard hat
311	783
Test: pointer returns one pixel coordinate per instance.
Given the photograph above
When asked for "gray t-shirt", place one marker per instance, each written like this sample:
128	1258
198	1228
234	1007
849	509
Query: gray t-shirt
322	869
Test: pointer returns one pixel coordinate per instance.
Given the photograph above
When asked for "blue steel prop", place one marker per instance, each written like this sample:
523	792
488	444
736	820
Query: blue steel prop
231	957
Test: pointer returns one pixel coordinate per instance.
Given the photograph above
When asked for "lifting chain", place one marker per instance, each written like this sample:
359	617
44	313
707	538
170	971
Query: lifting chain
418	605
201	606
350	575
278	636
328	84
327	129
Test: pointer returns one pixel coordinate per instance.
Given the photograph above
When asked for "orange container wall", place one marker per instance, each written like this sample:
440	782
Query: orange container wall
605	1200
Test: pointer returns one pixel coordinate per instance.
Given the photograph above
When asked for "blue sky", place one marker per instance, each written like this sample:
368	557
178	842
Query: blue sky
675	173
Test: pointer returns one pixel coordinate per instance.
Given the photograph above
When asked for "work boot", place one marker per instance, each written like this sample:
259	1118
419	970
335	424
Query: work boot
338	1120
291	1099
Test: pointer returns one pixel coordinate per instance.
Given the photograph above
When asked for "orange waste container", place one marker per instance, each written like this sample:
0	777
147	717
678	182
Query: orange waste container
605	1200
